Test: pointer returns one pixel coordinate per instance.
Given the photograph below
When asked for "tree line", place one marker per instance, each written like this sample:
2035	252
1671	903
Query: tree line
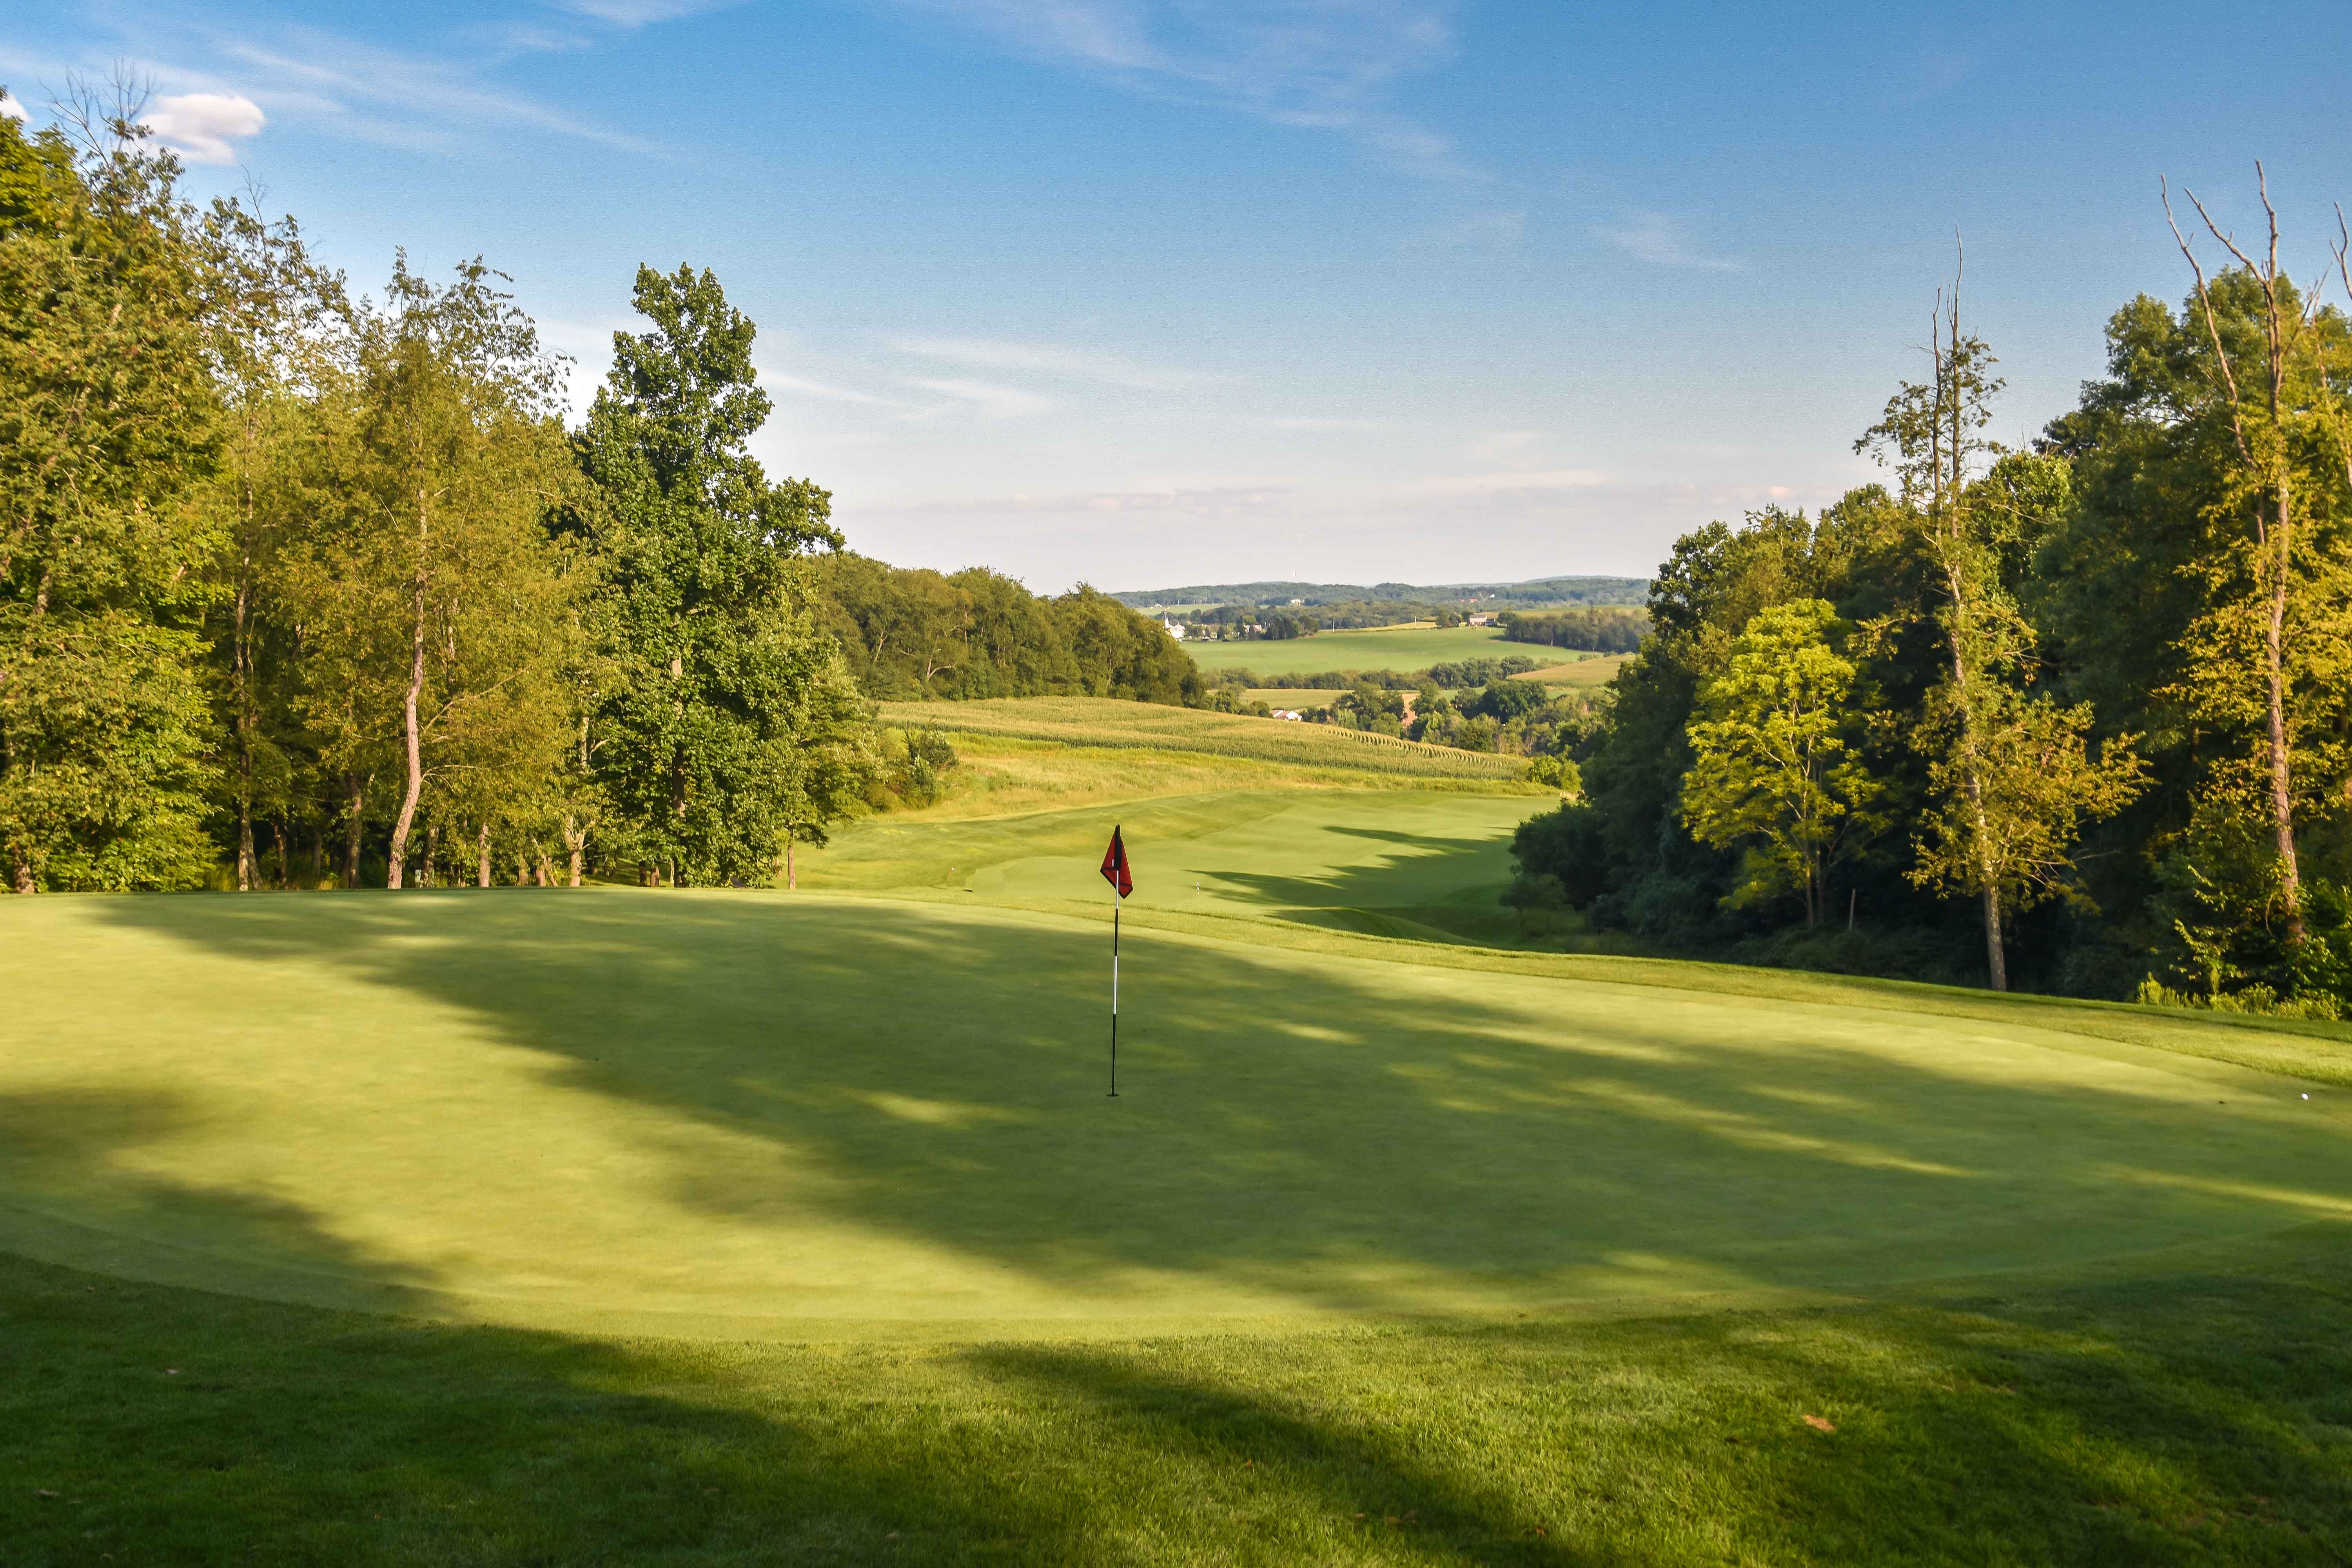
1587	630
915	633
2073	716
305	587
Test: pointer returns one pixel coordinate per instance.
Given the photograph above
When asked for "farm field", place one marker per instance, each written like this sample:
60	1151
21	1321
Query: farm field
709	1226
1591	670
1388	648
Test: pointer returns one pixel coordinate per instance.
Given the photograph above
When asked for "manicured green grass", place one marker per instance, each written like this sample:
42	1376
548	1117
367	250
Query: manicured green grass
726	1114
1398	648
2194	1413
645	1226
1101	722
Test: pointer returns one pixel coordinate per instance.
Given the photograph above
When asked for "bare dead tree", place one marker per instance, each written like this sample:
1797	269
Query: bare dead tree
2264	450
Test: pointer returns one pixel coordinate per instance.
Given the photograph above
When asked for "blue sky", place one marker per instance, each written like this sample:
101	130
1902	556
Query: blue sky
1152	292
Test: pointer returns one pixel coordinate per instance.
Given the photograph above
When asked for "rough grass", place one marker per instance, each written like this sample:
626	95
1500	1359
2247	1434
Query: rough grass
1100	722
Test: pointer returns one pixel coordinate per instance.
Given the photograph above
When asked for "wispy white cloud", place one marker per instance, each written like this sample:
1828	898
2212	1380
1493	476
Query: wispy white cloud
1510	483
1502	445
1326	64
392	95
989	399
438	94
642	13
1494	229
199	126
1048	359
800	386
12	109
1316	422
1656	237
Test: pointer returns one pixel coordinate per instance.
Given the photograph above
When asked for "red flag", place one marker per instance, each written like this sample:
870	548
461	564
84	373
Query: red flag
1114	866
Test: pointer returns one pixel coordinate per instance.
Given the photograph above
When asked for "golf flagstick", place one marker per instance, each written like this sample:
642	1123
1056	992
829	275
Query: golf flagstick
1122	882
1114	995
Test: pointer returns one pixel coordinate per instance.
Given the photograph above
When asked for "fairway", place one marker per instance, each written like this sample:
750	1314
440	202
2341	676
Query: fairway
1400	649
729	1114
628	1225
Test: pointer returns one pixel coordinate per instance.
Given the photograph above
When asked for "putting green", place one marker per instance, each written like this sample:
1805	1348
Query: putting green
827	1115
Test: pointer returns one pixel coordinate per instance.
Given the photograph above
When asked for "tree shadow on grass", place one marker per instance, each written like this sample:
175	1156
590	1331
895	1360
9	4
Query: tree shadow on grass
1339	1135
2196	1420
75	1191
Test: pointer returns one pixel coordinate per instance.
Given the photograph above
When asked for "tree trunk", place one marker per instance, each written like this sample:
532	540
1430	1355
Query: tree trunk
1996	959
791	877
575	842
546	878
2281	777
277	830
21	874
431	852
482	869
244	673
351	844
408	729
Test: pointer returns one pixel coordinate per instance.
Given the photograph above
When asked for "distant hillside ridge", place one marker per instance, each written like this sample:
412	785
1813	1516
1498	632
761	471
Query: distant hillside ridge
1536	591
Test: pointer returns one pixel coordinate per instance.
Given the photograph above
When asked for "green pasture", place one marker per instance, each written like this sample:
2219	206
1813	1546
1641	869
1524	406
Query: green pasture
1594	669
1387	647
626	1225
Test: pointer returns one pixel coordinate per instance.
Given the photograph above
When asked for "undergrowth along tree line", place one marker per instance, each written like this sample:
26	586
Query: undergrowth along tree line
2074	717
301	587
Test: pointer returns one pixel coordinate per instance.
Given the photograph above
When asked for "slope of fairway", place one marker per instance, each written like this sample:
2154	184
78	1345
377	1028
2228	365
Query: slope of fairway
1391	647
825	1116
1104	722
1252	851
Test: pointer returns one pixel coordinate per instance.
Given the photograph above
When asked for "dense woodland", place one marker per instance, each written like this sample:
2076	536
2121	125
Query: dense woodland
1589	631
2076	718
301	587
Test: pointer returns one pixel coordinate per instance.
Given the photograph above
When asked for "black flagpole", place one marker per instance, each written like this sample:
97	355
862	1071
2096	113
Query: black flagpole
1114	993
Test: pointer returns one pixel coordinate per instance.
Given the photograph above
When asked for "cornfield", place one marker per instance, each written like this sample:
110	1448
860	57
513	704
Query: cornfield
1107	721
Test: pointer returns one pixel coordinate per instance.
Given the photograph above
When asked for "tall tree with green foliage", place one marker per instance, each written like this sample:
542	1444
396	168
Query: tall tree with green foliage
282	351
436	603
109	428
707	750
2275	570
2010	775
1772	769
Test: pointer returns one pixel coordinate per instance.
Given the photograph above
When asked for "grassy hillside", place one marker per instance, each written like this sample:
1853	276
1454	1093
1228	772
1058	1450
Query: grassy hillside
1103	723
627	1226
1389	648
825	1117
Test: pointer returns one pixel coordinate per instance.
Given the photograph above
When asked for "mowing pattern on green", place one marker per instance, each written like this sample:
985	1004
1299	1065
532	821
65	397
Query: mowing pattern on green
730	1113
1106	721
